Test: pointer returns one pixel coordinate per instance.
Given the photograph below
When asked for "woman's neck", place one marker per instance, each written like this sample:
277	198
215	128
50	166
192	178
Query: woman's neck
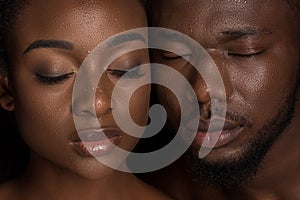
42	180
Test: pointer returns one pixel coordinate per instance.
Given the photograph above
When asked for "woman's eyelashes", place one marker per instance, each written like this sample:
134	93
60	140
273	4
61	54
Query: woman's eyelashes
135	72
173	56
51	80
47	78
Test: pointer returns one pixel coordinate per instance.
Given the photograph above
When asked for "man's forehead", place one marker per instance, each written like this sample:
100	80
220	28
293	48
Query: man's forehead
218	21
218	5
224	14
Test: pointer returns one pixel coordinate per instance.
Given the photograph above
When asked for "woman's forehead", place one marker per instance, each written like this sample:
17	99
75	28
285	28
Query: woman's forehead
82	23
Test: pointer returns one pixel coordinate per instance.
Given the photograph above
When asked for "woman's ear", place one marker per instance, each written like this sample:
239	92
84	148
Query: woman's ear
6	98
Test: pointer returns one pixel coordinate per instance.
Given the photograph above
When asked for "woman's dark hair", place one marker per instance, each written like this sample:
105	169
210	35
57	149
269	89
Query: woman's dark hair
14	152
9	10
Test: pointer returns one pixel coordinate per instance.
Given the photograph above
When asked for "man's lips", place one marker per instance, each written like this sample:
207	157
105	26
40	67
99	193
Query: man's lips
96	142
217	124
220	133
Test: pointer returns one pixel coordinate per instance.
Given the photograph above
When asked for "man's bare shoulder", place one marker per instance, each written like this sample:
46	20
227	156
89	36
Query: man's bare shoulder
8	191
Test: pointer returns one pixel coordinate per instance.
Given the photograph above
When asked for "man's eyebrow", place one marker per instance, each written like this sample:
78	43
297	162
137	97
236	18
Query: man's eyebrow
49	44
125	38
243	33
169	36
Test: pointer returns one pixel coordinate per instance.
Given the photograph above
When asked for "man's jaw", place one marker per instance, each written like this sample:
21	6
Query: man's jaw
236	170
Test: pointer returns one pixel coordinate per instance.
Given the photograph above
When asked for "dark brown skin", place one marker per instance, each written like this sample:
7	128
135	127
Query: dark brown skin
255	87
43	112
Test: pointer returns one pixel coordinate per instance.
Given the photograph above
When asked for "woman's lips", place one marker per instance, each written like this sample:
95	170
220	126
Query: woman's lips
95	143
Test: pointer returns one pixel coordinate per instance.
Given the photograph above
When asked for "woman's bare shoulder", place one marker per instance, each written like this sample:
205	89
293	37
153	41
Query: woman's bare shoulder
8	191
148	192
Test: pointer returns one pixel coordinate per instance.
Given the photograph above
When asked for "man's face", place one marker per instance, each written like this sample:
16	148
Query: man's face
255	47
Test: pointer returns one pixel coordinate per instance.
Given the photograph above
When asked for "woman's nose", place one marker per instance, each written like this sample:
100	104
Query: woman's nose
94	102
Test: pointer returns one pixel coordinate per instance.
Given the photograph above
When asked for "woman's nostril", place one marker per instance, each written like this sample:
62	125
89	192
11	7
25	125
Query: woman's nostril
84	110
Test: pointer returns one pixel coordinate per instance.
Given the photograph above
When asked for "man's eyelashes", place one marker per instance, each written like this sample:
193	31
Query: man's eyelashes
245	55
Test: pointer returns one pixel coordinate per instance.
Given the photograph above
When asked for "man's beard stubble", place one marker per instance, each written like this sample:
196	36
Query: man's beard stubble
231	173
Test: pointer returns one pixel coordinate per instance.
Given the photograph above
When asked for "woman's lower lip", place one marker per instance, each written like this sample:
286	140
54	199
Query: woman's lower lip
98	147
216	140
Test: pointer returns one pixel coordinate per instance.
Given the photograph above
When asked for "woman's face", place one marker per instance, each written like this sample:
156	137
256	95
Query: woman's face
43	104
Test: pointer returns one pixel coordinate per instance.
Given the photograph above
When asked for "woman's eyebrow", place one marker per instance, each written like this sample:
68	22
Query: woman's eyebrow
125	38
49	44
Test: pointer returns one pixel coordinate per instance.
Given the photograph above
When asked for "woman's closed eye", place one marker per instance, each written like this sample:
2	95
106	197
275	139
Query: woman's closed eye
51	80
173	56
132	73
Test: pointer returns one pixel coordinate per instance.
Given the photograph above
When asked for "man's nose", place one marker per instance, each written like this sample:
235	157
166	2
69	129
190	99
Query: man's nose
207	92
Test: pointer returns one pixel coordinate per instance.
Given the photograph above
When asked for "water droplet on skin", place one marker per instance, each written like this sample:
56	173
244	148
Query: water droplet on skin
98	103
62	25
100	91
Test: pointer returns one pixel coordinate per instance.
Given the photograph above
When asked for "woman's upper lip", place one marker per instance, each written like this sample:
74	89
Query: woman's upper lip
89	135
218	125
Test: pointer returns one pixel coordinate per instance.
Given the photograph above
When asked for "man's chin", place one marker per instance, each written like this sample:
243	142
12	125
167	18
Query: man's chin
232	166
226	168
217	155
